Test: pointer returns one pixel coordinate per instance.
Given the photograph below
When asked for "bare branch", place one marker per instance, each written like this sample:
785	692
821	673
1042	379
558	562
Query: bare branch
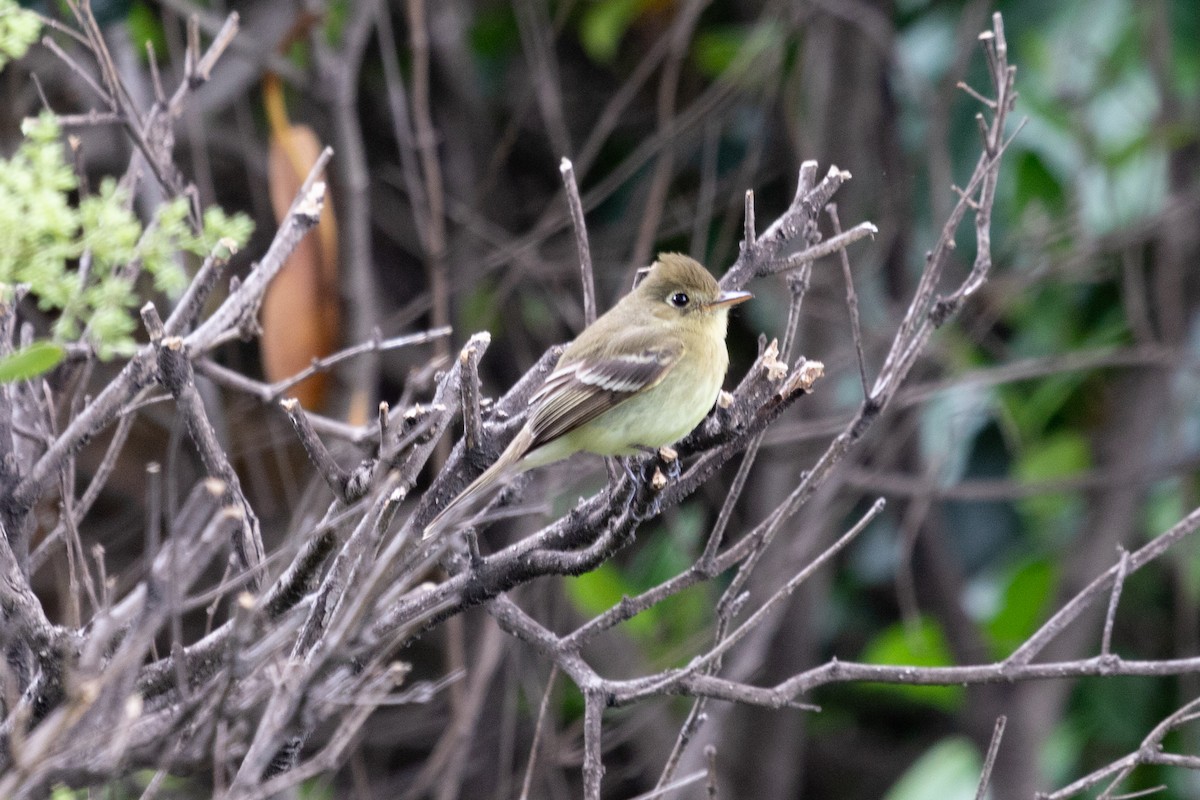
985	775
241	307
581	241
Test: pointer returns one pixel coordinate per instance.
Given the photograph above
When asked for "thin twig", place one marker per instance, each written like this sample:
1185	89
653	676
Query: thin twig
527	783
241	306
825	248
1114	598
985	775
851	301
433	237
581	241
333	473
373	345
398	105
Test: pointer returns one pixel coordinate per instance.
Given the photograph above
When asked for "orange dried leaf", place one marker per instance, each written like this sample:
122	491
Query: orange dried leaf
300	314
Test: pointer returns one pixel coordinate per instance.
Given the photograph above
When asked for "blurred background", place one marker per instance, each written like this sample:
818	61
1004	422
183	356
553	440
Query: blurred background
1057	419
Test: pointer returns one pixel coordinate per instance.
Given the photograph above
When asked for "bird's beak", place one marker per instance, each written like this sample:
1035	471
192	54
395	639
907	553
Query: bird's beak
730	299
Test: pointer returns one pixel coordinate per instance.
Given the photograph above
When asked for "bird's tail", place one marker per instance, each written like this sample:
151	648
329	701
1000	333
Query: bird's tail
469	499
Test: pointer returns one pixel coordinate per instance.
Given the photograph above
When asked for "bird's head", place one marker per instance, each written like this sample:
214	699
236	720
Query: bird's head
678	286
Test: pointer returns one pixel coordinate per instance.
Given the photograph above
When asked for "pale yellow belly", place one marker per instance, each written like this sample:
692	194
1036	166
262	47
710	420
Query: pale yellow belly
659	416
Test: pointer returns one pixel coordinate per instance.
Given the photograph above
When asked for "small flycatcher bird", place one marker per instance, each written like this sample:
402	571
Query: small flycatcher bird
641	376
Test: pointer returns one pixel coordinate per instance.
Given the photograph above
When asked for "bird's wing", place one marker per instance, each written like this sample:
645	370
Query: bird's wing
579	391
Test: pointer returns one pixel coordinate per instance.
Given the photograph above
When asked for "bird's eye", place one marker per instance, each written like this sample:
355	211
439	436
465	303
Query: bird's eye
679	299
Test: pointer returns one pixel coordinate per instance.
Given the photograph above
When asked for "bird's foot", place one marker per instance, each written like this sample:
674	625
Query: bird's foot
662	469
652	504
648	482
634	485
669	457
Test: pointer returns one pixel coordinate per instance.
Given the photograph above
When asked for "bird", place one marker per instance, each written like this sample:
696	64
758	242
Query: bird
642	376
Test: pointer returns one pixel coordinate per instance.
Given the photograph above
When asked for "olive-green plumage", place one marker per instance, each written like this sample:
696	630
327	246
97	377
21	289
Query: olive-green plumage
642	375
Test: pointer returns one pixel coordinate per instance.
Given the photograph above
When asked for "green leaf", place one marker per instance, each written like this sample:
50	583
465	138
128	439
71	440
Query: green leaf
663	556
1023	605
715	49
335	14
18	30
719	48
661	628
494	33
604	24
31	361
1059	455
219	225
599	590
949	769
317	788
1037	183
1116	713
1117	196
1166	505
1123	113
146	26
950	421
1033	411
920	645
478	309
